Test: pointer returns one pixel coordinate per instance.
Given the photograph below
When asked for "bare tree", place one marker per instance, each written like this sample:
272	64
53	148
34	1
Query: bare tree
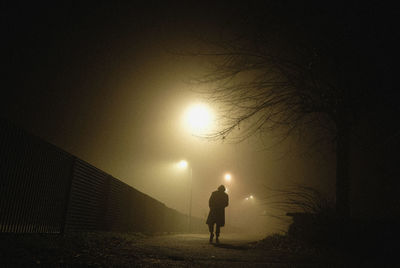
299	198
289	69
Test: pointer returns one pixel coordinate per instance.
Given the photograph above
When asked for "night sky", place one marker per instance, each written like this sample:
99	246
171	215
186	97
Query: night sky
105	83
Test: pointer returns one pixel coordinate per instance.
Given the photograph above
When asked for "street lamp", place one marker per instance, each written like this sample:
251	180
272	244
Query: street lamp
250	197
228	177
183	164
198	119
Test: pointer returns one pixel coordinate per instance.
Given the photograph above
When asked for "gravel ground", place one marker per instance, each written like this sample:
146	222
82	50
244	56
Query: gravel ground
167	250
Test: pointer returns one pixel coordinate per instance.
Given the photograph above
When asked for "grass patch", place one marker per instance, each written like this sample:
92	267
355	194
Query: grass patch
95	249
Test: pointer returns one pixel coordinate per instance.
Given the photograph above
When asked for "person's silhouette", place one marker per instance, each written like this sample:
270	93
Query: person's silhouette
217	203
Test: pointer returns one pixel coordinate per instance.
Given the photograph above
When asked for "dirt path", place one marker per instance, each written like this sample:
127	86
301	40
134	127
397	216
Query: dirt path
137	250
193	250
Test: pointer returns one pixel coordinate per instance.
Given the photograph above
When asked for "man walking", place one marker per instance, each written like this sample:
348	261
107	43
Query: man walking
217	203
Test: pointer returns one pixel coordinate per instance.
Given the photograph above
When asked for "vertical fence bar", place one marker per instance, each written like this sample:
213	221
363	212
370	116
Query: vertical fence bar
41	192
33	193
68	195
29	204
20	202
13	186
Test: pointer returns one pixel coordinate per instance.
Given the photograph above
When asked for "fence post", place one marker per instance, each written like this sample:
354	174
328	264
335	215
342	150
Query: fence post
68	196
105	217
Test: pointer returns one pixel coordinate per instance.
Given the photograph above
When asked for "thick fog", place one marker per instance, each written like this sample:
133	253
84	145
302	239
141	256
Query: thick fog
115	94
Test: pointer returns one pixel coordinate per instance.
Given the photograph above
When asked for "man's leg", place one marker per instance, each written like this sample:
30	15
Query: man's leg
211	229
217	230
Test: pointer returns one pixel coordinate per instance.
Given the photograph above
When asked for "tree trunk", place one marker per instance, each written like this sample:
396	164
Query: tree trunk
342	171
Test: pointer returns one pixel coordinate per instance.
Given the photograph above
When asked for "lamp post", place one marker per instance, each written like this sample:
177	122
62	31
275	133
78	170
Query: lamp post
198	119
228	180
183	164
190	202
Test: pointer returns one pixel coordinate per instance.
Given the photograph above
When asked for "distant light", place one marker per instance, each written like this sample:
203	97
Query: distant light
264	212
251	196
247	198
198	118
228	177
182	164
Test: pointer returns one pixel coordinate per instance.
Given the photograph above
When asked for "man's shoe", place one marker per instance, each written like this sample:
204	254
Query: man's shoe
217	240
211	237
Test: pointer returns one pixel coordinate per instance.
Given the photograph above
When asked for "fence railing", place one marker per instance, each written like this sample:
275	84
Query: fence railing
44	189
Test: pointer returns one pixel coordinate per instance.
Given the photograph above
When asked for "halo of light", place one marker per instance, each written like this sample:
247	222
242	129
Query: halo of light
198	118
228	177
182	164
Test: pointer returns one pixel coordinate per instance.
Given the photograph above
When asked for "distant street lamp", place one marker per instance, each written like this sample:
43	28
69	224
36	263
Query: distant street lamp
183	164
249	197
228	177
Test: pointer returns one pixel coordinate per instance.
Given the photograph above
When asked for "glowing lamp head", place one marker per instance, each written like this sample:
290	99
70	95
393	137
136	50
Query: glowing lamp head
198	118
182	164
228	177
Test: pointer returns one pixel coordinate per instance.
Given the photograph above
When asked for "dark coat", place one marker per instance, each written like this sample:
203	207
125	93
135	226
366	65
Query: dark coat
217	203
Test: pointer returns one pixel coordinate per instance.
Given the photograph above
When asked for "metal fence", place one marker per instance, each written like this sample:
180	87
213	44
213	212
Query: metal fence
46	190
34	178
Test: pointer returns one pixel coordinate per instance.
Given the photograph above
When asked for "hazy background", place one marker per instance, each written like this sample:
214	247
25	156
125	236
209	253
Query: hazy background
103	83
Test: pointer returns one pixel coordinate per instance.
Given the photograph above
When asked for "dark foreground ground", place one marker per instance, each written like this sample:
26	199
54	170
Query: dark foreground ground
172	250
